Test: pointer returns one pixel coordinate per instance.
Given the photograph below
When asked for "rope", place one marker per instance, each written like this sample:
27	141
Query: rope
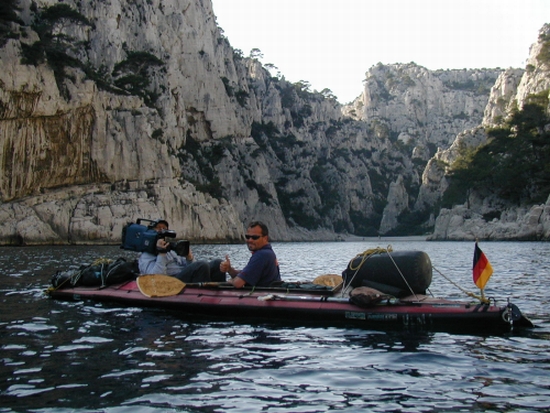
103	262
365	255
468	293
403	277
369	253
51	289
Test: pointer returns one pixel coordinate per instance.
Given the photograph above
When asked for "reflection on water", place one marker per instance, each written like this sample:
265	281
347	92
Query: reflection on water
74	356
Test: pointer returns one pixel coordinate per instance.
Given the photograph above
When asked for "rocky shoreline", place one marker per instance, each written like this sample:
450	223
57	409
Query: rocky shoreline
515	224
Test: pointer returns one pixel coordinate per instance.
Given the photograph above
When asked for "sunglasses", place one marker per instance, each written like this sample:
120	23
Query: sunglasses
254	237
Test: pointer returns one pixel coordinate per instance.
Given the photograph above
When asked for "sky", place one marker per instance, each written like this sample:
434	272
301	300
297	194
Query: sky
332	43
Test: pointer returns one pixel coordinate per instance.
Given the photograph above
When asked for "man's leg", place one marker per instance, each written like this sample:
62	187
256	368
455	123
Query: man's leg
196	272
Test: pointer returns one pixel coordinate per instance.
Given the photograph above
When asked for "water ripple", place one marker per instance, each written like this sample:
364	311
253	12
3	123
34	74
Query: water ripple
88	357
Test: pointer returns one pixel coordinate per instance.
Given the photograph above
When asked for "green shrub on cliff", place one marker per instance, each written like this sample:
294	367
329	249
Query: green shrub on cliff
55	48
8	16
514	164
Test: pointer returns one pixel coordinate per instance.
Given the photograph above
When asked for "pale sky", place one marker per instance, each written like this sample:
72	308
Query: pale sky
332	43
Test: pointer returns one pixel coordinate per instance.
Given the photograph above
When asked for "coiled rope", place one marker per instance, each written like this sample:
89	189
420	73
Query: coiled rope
370	252
365	255
74	278
482	299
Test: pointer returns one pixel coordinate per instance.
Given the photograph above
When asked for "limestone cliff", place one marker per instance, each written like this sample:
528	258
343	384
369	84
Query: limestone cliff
112	111
484	216
423	108
96	100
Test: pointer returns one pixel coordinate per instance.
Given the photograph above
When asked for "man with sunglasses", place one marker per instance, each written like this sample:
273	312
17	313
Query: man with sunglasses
263	268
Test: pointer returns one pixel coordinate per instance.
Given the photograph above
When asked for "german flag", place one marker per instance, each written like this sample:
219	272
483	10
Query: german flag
482	268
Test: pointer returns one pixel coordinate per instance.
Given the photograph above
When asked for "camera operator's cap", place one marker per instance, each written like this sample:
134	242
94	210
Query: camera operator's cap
159	221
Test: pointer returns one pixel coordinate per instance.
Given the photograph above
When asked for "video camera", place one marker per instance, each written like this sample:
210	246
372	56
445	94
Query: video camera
141	238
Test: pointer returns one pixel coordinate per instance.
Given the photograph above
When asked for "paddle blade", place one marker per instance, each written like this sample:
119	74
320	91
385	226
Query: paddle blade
159	285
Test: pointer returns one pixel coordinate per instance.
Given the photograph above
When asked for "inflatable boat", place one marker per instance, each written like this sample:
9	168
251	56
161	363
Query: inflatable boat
383	291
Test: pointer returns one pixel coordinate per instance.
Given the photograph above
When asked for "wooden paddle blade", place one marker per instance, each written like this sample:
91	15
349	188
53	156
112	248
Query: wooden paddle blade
159	285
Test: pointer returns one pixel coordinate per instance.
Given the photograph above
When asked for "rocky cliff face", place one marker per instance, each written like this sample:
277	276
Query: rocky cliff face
112	111
422	107
425	112
469	222
89	134
473	220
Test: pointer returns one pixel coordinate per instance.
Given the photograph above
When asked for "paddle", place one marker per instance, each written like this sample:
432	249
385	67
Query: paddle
275	297
160	285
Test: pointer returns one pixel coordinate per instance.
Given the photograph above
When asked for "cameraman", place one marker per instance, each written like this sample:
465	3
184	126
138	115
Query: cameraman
183	268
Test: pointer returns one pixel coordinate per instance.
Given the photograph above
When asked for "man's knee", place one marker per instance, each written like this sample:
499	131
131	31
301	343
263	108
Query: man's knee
198	271
201	271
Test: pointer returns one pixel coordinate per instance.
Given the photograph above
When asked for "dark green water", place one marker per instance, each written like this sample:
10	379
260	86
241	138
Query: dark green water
88	357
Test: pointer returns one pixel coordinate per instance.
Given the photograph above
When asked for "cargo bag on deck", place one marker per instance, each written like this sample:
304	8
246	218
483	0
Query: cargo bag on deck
399	273
101	273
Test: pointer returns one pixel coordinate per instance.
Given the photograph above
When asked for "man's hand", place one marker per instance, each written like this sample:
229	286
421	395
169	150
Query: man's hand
161	246
225	266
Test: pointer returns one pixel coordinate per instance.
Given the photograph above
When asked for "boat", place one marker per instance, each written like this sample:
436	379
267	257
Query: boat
329	302
312	307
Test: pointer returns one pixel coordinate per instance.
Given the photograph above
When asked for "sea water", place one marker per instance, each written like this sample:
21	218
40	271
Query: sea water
59	356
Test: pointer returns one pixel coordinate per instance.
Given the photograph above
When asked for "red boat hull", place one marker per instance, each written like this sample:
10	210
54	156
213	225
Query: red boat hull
303	307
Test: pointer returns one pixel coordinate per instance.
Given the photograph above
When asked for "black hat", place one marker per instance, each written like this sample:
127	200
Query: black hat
159	221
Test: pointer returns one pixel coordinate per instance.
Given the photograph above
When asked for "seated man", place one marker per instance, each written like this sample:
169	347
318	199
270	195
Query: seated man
263	268
183	268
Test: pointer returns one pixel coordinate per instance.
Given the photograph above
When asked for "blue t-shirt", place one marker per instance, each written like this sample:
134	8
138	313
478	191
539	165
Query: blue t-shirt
262	268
